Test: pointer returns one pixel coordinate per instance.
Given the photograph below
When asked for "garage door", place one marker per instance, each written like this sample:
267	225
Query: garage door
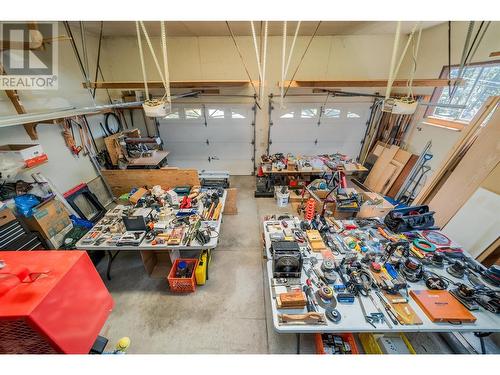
300	129
210	136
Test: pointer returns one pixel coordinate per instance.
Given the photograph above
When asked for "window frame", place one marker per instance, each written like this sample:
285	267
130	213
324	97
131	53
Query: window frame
452	124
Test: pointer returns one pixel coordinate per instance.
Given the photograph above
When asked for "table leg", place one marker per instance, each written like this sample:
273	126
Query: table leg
111	257
298	343
481	336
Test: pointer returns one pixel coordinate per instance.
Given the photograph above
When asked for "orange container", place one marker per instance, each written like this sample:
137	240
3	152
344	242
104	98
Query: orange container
347	337
183	284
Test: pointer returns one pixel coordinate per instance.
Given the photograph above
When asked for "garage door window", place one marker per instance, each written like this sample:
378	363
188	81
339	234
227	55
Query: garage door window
193	113
331	113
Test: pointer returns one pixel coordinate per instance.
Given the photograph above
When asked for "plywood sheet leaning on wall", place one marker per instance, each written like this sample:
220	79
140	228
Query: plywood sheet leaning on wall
385	157
474	167
122	181
396	186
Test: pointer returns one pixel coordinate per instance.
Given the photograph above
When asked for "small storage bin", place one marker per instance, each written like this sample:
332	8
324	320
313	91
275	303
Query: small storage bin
183	284
370	345
347	337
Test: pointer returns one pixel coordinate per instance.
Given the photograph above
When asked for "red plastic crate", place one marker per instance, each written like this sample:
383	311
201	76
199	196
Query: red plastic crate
183	284
348	337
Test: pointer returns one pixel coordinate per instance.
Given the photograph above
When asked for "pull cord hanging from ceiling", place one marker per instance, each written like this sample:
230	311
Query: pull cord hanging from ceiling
285	66
155	107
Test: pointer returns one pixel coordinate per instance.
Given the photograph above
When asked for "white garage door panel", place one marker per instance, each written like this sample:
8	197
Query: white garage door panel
236	131
341	131
229	133
342	126
294	132
185	132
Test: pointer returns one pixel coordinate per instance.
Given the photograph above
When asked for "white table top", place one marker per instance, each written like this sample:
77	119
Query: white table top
352	317
215	224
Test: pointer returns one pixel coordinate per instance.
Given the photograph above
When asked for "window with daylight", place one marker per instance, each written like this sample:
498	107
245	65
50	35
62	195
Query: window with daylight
235	114
331	113
482	80
193	113
309	112
173	115
287	115
215	113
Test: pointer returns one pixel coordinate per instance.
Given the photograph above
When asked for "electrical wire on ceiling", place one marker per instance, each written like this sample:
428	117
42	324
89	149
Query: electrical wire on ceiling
241	57
469	52
284	67
302	57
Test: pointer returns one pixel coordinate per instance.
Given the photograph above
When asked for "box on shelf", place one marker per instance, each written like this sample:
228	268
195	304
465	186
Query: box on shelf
49	218
30	154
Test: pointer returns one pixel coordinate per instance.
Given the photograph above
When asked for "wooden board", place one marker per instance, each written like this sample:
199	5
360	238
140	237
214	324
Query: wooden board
474	167
431	82
394	189
122	181
380	165
230	207
399	161
149	161
114	148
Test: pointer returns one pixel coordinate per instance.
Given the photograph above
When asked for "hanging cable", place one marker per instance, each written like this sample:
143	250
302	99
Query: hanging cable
302	58
165	61
449	58
257	54
462	59
241	57
416	46
98	58
283	58
151	49
393	59
292	47
264	57
141	55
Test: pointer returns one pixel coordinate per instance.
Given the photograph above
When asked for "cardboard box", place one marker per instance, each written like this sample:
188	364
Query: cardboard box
49	219
31	154
374	205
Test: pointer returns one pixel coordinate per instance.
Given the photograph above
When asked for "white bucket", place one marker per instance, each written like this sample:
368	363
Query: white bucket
282	199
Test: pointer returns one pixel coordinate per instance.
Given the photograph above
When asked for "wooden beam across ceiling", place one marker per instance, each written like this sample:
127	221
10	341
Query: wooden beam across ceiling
370	83
19	107
159	85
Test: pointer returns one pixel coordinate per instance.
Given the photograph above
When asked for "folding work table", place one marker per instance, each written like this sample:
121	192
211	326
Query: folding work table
147	250
352	319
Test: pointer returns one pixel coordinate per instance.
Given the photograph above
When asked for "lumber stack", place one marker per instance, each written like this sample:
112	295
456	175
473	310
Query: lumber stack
390	170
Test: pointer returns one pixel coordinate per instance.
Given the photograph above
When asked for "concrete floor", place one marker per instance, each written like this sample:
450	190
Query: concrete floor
230	314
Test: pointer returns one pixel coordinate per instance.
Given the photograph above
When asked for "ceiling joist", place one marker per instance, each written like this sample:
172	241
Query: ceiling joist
371	83
159	85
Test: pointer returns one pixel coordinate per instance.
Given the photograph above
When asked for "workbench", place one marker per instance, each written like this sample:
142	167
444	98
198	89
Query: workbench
155	161
352	319
146	248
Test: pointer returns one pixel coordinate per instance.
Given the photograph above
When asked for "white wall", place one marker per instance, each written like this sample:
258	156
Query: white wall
64	169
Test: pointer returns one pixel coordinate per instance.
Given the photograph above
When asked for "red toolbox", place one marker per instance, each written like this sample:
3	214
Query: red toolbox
50	302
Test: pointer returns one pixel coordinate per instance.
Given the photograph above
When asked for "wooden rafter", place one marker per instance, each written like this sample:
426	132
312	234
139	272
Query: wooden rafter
18	105
369	83
159	85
